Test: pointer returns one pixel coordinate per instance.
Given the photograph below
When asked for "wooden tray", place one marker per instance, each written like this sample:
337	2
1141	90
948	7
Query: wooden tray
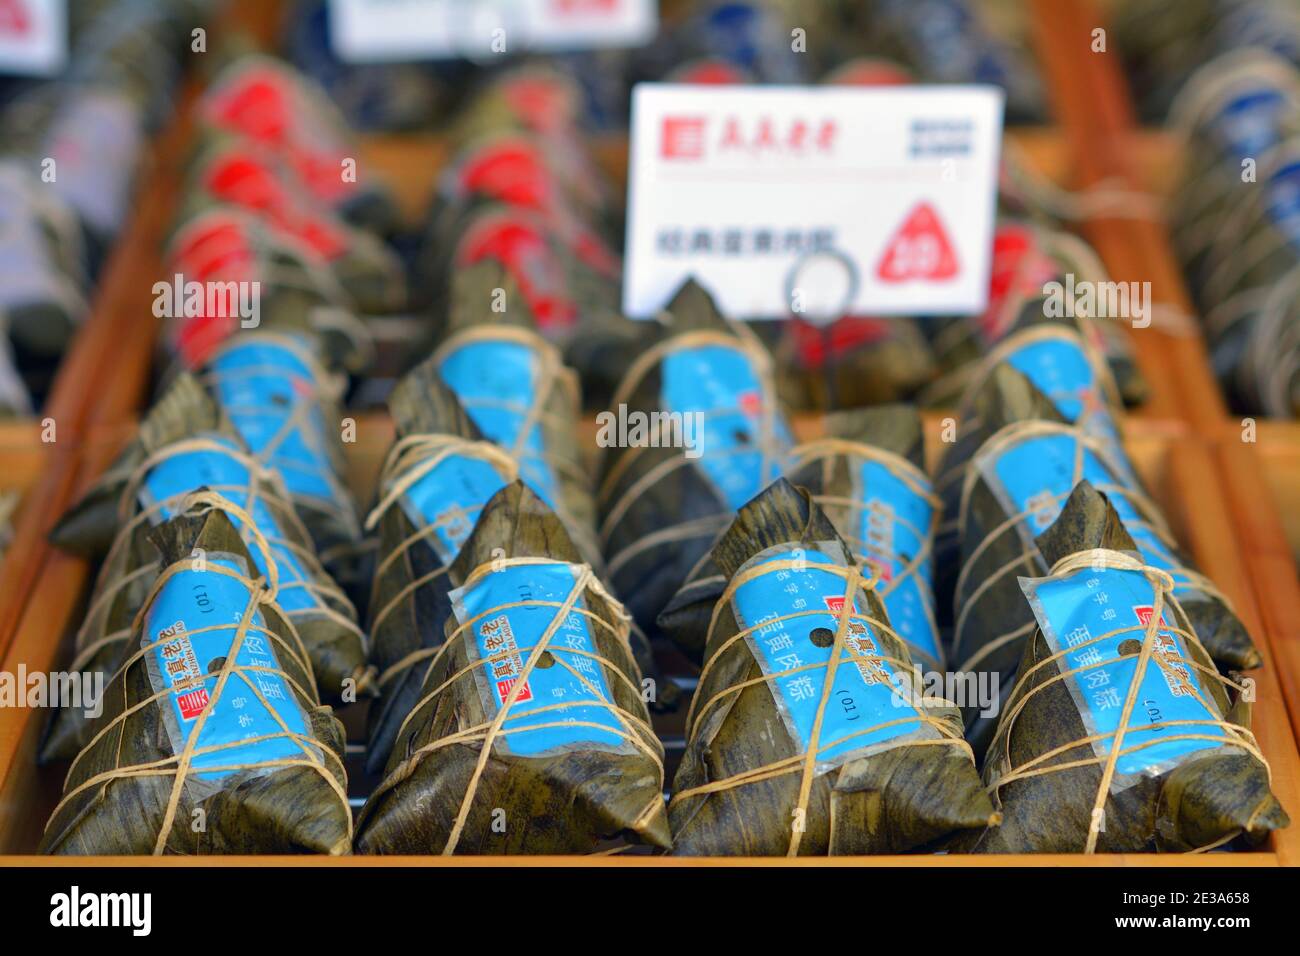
1177	441
1260	478
1179	474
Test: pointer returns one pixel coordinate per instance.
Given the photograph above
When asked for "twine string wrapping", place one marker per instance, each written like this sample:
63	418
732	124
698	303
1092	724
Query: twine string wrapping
553	376
1111	198
1003	440
805	762
299	419
262	591
827	451
741	339
1162	586
635	729
409	460
261	489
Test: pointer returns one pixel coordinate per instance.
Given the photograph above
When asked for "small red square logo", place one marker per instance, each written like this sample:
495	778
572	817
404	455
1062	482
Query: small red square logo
683	137
192	702
503	691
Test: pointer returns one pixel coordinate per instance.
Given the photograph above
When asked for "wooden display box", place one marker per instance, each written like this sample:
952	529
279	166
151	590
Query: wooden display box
1208	483
1182	479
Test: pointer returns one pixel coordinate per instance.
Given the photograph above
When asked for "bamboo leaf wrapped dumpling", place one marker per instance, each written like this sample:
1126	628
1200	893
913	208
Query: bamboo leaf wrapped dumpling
233	173
228	251
519	394
803	736
1119	735
211	739
531	734
436	479
183	444
867	477
1011	491
284	405
662	505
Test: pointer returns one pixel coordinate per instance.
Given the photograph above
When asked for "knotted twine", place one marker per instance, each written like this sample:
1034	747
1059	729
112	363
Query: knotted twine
827	450
262	590
805	763
635	730
741	339
1004	439
1162	585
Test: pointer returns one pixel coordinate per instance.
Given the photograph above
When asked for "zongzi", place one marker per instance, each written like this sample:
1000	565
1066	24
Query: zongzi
436	479
1119	735
184	444
531	734
212	739
805	735
712	437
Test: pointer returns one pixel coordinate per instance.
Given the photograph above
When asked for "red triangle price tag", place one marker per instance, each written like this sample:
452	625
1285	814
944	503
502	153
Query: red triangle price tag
920	249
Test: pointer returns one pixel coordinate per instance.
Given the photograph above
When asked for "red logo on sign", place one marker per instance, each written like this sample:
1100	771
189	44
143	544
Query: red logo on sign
920	249
683	137
14	18
193	702
503	691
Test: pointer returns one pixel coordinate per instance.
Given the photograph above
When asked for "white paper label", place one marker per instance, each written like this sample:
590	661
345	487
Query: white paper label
753	189
376	30
33	36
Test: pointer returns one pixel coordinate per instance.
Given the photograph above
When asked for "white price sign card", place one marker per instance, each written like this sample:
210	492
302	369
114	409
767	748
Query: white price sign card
742	187
377	30
33	36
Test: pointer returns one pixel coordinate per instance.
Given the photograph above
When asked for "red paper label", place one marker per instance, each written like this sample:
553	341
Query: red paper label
242	180
1019	268
523	250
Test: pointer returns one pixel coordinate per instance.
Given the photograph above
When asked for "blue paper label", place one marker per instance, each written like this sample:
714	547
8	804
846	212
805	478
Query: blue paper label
865	693
1035	477
261	385
503	639
178	475
1075	612
894	525
1061	371
1283	201
498	383
1249	125
721	384
185	658
449	498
